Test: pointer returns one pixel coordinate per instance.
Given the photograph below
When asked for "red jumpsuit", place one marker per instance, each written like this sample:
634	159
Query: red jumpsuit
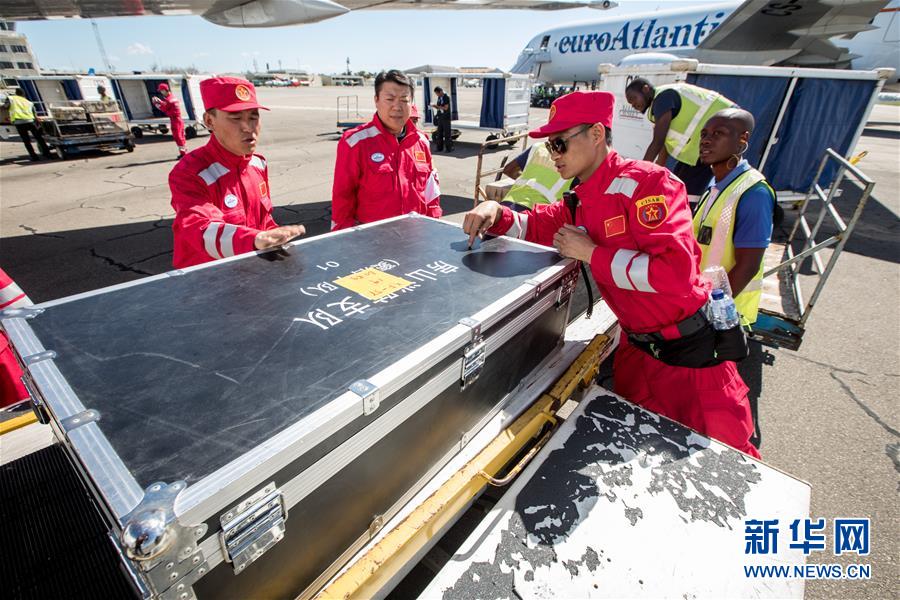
376	177
172	109
11	388
646	266
221	202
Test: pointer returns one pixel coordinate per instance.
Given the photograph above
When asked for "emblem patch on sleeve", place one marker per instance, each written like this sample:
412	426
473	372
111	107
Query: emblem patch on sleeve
263	189
652	211
614	226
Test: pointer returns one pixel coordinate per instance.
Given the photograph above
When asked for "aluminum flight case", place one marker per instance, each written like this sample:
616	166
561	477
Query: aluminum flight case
245	425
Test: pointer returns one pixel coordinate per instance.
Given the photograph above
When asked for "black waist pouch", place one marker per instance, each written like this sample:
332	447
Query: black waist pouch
706	347
696	351
731	344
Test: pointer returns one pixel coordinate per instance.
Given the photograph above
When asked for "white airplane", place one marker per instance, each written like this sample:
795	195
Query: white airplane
859	34
259	13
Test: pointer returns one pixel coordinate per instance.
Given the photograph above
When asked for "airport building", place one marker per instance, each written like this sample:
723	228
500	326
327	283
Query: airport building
16	56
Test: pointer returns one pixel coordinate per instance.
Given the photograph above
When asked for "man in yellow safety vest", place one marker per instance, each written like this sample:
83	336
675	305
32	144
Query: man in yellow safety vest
733	220
21	115
677	111
537	180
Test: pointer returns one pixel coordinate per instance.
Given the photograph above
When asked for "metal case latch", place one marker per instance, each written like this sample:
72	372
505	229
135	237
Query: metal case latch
253	526
370	394
473	354
567	288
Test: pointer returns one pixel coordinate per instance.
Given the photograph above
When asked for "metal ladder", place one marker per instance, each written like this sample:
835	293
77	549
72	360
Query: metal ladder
787	330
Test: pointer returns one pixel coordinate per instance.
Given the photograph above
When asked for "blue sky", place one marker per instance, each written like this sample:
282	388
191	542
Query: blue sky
371	39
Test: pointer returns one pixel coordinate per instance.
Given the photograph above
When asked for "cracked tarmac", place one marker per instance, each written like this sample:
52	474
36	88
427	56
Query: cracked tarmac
829	412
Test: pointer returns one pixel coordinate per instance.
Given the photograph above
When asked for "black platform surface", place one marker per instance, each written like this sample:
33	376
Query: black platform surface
55	543
190	372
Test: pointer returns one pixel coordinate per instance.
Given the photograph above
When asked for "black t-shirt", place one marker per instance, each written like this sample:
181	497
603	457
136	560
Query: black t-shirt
443	101
664	102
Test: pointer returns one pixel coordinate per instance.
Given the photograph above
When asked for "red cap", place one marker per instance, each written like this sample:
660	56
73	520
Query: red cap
162	87
413	111
231	94
578	108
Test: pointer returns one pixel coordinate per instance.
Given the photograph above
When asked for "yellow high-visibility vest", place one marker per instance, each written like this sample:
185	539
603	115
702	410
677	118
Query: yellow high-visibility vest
720	250
540	182
20	109
697	106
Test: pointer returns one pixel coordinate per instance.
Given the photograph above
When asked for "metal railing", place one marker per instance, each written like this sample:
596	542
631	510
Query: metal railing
811	248
480	193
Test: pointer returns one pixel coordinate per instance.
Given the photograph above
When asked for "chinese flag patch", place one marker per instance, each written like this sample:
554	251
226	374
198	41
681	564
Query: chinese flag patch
420	155
614	226
263	189
652	211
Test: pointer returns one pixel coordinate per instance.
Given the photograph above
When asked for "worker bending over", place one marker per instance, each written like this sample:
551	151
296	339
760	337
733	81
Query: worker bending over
220	191
537	181
677	111
630	222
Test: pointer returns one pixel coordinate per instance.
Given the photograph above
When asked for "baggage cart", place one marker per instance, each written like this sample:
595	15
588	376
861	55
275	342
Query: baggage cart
243	426
502	112
799	112
135	93
348	115
74	127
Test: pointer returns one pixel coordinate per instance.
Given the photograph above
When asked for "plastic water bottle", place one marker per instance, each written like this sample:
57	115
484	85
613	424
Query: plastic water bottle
719	278
724	312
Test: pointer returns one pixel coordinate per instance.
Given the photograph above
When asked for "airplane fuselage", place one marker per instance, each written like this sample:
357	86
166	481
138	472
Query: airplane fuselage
571	53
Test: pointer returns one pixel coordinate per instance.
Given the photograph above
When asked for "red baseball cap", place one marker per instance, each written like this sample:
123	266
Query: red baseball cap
231	94
578	108
162	87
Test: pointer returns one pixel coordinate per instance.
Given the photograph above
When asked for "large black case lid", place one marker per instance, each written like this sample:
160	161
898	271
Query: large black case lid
189	372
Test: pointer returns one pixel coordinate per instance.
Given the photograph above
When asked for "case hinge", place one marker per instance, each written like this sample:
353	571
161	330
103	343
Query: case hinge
253	526
474	354
167	553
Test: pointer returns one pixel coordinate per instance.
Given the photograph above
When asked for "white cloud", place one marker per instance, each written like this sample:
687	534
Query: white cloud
139	48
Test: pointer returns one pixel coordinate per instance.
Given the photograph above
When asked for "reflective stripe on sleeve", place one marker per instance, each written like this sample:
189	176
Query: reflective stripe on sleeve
519	228
619	268
639	272
361	135
226	240
209	239
212	173
258	162
12	296
622	185
432	187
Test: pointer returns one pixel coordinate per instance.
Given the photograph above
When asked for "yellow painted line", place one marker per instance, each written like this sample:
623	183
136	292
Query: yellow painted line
372	572
17	423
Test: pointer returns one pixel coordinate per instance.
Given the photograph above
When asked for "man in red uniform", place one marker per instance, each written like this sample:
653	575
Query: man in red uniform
383	168
170	106
634	230
220	191
12	389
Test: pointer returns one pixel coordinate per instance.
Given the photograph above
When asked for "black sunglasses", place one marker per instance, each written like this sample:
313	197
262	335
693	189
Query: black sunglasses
559	144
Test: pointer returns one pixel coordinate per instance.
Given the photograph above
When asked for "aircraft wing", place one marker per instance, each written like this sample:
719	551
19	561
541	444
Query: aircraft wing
792	32
259	13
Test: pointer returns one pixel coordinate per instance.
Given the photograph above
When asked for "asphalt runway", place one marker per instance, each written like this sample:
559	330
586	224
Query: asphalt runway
826	411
